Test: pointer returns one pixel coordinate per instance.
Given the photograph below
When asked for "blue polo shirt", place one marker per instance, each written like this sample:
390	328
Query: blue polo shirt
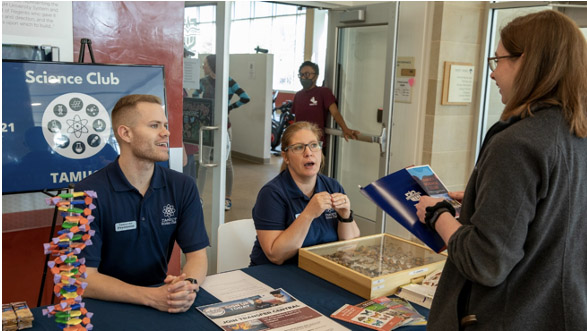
135	235
280	202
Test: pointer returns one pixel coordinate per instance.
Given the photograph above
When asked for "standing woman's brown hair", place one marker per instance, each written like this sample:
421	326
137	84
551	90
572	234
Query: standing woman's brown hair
553	55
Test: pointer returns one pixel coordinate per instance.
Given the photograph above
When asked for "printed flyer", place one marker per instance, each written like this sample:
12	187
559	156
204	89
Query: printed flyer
274	310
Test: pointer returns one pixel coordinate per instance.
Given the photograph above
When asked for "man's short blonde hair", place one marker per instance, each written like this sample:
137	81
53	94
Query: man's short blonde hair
122	111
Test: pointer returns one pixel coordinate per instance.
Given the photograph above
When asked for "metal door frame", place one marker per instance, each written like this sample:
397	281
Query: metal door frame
376	14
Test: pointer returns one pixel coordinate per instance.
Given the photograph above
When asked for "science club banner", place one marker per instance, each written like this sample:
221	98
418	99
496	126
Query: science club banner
56	126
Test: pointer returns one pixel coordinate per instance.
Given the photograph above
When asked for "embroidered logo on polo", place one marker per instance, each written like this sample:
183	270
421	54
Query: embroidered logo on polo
169	215
313	102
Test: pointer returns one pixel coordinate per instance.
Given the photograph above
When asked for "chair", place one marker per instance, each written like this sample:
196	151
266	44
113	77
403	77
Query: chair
235	242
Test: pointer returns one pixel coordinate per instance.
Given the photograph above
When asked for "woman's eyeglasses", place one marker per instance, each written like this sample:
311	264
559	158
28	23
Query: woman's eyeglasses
492	61
300	148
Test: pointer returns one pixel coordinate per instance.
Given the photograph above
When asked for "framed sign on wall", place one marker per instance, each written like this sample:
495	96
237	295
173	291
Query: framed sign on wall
457	84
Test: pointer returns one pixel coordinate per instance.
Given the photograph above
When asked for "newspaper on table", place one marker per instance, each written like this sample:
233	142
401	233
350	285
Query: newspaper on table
273	310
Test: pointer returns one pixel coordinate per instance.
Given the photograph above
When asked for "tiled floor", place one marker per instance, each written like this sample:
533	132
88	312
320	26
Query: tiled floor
248	180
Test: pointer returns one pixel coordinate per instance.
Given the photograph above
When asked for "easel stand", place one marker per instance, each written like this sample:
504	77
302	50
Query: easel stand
85	41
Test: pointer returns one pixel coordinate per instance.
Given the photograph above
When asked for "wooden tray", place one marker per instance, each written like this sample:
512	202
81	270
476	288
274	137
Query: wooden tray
371	266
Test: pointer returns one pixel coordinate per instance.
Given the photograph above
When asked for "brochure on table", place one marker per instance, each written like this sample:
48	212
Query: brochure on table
421	294
383	313
272	310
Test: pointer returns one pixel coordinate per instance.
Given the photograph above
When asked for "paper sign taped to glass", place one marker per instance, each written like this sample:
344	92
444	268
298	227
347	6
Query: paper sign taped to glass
398	193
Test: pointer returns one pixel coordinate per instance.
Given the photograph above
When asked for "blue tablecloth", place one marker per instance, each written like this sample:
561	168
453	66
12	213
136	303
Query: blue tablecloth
309	289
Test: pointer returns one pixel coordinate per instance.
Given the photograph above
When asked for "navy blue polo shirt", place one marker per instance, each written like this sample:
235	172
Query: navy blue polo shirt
135	235
280	202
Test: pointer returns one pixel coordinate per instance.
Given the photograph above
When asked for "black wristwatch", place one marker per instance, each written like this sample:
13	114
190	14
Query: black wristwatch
193	281
433	212
345	220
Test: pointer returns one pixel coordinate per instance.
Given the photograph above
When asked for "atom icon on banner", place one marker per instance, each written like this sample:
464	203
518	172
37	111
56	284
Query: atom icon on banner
77	126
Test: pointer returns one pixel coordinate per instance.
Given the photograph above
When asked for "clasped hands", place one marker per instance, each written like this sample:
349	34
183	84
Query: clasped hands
176	295
323	201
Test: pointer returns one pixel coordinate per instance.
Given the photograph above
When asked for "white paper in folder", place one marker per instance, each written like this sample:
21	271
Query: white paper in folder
233	285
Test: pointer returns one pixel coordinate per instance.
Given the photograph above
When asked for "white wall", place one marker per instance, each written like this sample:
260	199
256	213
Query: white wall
413	40
39	23
320	34
251	123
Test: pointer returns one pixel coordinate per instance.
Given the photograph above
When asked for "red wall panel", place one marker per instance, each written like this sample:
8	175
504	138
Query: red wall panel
141	32
23	260
137	33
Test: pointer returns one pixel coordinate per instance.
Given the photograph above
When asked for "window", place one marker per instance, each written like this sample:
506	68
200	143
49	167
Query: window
276	27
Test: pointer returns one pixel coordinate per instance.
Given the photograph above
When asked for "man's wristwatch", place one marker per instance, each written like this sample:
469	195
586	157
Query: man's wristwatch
345	220
433	212
193	281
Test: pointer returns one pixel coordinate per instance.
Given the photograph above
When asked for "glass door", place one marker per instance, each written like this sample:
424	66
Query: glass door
206	39
360	65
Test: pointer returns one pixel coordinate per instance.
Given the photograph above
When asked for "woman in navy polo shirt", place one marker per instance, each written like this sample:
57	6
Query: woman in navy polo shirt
300	207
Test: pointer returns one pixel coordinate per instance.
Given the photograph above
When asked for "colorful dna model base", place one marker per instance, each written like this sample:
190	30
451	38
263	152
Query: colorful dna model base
69	272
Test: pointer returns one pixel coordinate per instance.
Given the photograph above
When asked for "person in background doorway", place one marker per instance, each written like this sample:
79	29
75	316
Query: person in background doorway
516	256
313	103
207	89
300	207
142	209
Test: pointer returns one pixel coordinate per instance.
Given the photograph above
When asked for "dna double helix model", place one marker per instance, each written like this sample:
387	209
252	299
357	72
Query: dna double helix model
68	271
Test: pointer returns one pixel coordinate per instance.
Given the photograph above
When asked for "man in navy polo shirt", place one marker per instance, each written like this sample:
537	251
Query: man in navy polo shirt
142	210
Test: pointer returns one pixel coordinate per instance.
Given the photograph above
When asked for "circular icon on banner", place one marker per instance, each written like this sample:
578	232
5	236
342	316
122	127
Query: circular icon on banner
54	126
76	103
60	110
73	133
92	110
99	125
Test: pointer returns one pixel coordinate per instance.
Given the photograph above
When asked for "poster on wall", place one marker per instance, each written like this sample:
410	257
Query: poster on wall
56	127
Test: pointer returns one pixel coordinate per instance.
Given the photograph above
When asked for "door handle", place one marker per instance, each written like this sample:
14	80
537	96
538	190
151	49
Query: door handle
365	137
201	146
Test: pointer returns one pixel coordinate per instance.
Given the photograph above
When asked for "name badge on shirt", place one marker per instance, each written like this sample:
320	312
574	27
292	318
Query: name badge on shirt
330	214
125	226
